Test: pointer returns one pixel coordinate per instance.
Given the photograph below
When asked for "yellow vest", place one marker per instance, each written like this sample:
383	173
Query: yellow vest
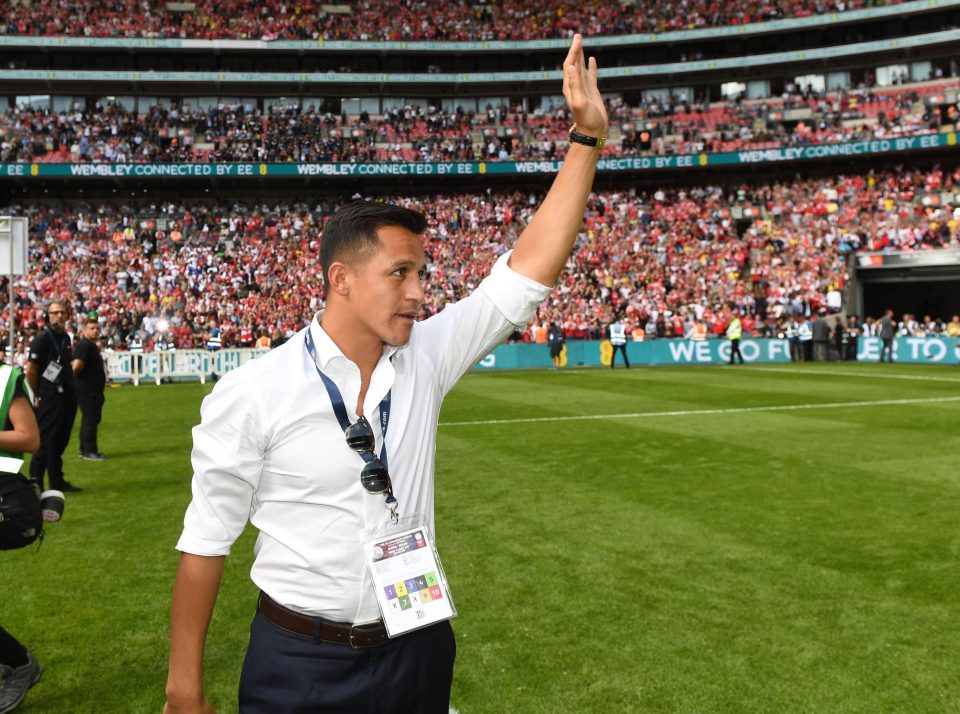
734	329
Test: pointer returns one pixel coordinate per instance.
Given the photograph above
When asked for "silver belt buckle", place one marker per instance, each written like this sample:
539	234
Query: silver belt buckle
354	646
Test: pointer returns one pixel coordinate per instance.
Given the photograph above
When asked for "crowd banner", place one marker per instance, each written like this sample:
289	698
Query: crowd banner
595	353
592	353
786	154
320	44
913	350
201	365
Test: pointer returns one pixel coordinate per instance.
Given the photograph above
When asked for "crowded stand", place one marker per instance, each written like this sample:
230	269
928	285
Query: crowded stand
800	117
169	274
108	133
400	20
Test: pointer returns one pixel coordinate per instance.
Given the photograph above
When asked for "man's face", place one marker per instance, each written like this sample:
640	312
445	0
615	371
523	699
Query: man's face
386	289
91	331
58	317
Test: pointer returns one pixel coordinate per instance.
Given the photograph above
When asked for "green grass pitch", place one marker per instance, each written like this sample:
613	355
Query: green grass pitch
719	543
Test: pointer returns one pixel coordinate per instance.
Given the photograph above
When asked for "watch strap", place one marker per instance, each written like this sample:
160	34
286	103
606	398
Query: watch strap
594	142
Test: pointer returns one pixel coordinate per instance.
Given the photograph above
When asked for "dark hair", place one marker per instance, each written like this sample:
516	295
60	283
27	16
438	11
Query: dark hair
352	230
91	321
55	301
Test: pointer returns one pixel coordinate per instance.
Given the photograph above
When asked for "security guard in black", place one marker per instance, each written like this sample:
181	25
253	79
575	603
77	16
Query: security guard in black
91	379
50	376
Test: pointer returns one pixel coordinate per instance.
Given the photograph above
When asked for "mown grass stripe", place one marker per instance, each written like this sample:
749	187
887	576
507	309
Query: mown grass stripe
703	412
845	373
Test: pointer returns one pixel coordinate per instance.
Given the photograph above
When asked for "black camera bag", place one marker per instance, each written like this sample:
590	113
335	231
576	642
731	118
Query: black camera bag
21	519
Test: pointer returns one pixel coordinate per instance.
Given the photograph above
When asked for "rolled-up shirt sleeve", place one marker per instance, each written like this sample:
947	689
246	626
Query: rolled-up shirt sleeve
464	332
516	296
227	457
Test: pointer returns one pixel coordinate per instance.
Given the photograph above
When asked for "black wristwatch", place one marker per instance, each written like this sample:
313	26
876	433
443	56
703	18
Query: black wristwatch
594	142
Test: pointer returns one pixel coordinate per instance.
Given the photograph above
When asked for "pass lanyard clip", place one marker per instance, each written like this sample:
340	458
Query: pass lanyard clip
340	411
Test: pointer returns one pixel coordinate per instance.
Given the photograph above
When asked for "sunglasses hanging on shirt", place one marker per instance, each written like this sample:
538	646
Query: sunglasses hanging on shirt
374	476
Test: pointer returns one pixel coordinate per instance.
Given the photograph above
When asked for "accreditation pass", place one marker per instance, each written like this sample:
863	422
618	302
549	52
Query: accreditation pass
409	583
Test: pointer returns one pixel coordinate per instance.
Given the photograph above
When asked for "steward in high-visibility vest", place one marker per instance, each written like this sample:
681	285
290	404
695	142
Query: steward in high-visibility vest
805	339
618	334
735	329
734	333
793	339
214	342
136	351
618	338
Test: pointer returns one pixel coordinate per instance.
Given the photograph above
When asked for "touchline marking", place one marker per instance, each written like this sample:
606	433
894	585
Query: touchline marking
701	412
866	375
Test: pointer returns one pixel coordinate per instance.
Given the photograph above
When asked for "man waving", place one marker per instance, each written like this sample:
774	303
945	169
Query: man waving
333	435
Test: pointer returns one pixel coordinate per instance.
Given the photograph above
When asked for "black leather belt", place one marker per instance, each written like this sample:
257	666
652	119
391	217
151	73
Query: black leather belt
338	633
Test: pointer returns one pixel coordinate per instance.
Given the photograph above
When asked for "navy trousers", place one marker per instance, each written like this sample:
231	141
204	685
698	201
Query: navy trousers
286	673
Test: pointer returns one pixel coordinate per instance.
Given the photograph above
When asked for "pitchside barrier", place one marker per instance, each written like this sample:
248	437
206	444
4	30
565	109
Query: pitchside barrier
201	365
929	350
175	365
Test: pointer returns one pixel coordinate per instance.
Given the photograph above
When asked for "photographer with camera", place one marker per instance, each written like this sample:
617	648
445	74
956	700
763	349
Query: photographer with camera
21	521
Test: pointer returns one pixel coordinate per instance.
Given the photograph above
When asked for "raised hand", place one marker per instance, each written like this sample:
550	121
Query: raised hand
581	92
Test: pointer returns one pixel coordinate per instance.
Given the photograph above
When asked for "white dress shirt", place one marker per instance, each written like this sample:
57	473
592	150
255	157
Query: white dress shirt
269	448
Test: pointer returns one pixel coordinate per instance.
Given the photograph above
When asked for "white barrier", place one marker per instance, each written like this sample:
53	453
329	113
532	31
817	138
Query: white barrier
176	364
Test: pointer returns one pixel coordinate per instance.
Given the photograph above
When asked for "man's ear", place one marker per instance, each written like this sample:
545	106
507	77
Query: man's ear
339	276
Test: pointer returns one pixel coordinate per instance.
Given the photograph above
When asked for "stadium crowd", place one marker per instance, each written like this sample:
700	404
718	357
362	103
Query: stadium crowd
800	117
107	133
168	274
407	20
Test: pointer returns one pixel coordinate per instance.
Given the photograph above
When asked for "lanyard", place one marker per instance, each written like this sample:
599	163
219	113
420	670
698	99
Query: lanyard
340	411
56	343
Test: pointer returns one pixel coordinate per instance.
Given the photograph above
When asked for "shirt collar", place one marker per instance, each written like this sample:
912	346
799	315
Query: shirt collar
327	350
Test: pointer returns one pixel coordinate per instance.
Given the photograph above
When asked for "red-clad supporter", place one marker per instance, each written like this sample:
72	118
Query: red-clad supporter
407	20
667	260
107	133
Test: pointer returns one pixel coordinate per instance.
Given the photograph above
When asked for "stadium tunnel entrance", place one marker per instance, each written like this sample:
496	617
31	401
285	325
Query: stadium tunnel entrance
930	288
